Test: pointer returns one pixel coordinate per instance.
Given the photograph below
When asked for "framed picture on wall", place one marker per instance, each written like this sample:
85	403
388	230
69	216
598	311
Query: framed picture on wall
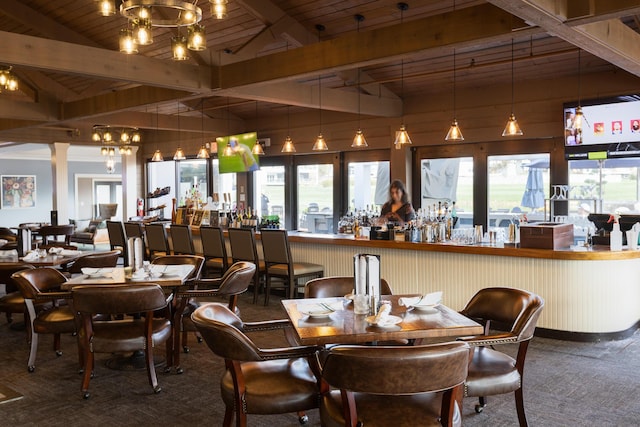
18	191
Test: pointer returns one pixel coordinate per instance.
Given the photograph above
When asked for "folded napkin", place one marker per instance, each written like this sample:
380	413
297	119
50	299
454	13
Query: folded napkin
319	308
70	252
9	253
433	298
31	256
93	270
3	242
383	315
55	250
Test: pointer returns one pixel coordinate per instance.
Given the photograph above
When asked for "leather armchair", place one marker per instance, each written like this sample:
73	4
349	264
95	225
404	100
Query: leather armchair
492	371
12	302
393	386
41	286
253	374
96	260
337	286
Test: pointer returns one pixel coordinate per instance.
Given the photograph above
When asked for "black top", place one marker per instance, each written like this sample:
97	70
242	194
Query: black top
404	213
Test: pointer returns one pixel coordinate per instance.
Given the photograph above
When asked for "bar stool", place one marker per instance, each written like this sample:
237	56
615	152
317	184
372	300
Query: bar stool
181	239
157	241
280	264
118	240
214	250
243	248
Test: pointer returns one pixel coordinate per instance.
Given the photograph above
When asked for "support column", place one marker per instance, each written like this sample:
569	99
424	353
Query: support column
60	178
400	166
129	184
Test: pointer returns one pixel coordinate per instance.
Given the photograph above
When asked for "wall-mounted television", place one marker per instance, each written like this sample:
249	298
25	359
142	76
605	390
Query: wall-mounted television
235	153
610	128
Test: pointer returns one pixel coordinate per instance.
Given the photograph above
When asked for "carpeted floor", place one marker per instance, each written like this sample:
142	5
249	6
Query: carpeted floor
566	384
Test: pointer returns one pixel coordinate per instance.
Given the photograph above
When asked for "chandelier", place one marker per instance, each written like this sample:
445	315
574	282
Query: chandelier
112	138
7	80
143	15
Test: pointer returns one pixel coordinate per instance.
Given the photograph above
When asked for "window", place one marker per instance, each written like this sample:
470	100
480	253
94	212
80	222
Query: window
518	185
270	197
192	175
223	183
368	185
160	176
315	198
448	180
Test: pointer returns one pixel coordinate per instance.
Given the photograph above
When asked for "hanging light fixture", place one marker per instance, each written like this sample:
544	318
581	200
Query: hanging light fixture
196	39
128	43
107	7
288	146
359	140
228	149
7	80
157	155
579	116
124	135
320	144
110	164
454	133
179	47
143	32
402	136
512	128
219	8
257	147
179	154
203	153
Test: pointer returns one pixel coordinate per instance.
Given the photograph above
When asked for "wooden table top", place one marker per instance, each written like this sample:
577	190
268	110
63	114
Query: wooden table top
175	275
47	261
343	326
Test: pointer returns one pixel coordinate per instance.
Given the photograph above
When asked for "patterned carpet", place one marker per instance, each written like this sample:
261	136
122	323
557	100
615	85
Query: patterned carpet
566	384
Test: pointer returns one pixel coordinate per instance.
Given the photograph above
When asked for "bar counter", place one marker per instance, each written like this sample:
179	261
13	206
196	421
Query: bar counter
589	295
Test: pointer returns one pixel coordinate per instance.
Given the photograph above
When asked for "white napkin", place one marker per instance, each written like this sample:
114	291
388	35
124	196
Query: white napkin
55	250
70	252
31	256
383	315
3	242
9	253
93	270
429	299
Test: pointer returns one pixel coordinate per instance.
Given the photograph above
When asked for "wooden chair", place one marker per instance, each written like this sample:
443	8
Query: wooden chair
243	248
492	371
96	260
118	239
49	234
157	241
234	282
43	285
181	239
128	334
214	250
12	301
280	264
258	381
337	286
393	386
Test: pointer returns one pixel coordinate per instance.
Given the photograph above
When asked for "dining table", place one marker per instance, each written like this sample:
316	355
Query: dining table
48	260
338	324
169	277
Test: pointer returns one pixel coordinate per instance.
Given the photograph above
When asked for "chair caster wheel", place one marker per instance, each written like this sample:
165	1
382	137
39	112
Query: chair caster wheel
58	353
185	349
303	420
157	389
31	368
86	395
167	369
179	370
199	340
479	408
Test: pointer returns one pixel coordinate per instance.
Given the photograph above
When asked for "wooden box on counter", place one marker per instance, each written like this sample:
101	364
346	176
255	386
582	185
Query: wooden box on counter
546	235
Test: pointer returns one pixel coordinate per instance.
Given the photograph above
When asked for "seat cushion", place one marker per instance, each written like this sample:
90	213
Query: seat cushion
491	372
126	335
275	386
12	302
299	269
373	410
58	320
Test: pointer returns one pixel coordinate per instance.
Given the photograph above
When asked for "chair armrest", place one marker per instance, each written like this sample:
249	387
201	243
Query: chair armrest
209	283
50	296
197	293
484	340
266	325
289	352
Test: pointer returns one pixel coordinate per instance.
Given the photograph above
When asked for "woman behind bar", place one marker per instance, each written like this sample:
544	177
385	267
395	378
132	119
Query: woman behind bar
398	208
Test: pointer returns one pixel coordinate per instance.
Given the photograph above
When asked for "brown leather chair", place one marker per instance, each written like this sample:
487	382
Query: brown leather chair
243	248
234	282
393	386
96	260
12	302
182	239
280	264
129	334
118	240
491	371
214	250
43	285
157	241
337	286
258	381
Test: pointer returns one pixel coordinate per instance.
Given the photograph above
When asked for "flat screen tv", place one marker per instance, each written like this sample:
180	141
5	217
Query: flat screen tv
610	129
235	153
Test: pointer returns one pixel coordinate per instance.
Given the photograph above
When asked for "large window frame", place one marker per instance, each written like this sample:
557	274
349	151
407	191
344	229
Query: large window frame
315	159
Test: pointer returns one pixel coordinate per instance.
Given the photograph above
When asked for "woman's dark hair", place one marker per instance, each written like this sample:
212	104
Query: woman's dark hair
399	185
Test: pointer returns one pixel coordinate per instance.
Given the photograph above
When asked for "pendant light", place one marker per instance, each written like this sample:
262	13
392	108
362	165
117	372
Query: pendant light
512	128
454	133
157	155
257	147
579	117
402	136
288	146
203	153
179	47
228	149
359	140
179	155
320	144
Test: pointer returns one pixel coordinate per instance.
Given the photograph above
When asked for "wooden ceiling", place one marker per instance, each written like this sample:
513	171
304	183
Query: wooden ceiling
268	55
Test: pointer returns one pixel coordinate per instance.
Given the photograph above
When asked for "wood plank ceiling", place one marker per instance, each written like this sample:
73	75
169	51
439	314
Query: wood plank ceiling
268	54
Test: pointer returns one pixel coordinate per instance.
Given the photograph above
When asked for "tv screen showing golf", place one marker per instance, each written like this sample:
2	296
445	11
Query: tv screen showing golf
601	129
235	153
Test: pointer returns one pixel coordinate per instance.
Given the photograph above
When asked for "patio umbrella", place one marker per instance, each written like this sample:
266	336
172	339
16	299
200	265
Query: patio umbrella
533	196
